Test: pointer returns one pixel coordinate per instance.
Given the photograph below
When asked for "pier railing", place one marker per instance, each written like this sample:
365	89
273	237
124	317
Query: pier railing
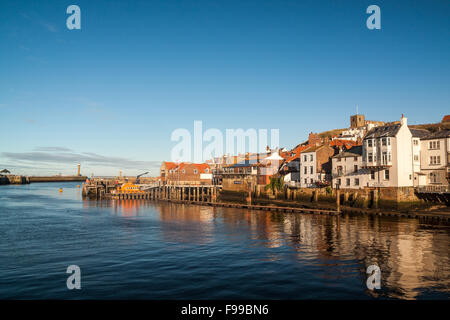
434	189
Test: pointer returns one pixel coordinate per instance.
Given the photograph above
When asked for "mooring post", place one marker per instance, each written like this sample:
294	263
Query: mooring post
338	199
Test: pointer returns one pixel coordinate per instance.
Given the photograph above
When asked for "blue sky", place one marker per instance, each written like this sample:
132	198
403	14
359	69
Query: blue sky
110	95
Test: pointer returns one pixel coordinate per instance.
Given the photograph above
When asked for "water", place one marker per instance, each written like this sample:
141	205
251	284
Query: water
146	250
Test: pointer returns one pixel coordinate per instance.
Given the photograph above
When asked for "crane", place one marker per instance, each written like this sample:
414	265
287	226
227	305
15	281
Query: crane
137	178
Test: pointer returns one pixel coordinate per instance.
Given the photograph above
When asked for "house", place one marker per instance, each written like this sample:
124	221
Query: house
315	165
347	170
166	169
435	157
387	153
240	176
185	173
268	167
419	178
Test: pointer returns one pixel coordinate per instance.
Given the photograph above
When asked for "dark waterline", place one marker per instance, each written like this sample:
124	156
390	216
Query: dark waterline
147	250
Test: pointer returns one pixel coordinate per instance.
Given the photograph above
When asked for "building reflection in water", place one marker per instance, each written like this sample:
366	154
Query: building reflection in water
411	255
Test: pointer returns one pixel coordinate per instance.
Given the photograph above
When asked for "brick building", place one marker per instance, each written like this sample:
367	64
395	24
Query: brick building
185	173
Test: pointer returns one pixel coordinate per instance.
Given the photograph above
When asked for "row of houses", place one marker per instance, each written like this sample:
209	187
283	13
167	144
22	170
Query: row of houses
394	155
367	154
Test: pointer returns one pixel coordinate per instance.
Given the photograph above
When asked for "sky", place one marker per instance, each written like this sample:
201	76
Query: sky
110	95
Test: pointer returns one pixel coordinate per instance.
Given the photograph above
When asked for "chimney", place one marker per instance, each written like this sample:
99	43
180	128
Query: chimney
404	120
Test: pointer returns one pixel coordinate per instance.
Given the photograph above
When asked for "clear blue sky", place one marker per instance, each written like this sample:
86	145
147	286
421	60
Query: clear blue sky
109	95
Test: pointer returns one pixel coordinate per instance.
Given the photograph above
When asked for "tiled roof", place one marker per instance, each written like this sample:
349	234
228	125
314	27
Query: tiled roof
245	163
343	143
170	165
446	118
352	152
383	131
296	152
419	133
438	135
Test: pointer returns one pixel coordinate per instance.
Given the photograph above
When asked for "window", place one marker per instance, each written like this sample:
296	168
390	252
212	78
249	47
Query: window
356	181
388	141
306	181
384	157
435	160
206	170
195	171
370	157
306	170
386	174
338	182
338	160
347	182
434	178
383	141
434	145
305	157
369	142
389	156
416	157
372	174
183	171
311	157
355	158
312	180
416	142
311	169
355	168
410	177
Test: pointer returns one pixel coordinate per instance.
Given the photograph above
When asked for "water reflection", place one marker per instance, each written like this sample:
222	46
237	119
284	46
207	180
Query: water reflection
413	257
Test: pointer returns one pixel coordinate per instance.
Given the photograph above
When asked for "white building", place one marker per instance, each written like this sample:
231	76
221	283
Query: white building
347	170
315	165
435	158
388	154
417	135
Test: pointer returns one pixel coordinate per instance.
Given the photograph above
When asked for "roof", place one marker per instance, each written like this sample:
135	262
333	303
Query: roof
446	118
315	148
343	143
245	163
355	151
419	133
383	131
170	165
199	166
441	134
296	152
274	156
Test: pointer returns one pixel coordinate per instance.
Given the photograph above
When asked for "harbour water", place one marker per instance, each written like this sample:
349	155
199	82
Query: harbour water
139	249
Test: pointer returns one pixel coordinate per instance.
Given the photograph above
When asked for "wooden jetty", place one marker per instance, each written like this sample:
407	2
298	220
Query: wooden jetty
208	195
195	193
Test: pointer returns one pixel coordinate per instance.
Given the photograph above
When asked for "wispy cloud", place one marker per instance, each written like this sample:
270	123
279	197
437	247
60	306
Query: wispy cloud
52	149
63	155
49	26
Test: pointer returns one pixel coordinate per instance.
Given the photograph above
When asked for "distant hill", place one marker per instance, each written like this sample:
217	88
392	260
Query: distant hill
331	133
432	127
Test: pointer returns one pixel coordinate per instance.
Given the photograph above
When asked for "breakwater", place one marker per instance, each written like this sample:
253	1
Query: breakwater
18	179
57	178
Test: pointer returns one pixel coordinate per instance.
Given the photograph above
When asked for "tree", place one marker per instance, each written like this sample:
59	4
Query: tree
275	184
